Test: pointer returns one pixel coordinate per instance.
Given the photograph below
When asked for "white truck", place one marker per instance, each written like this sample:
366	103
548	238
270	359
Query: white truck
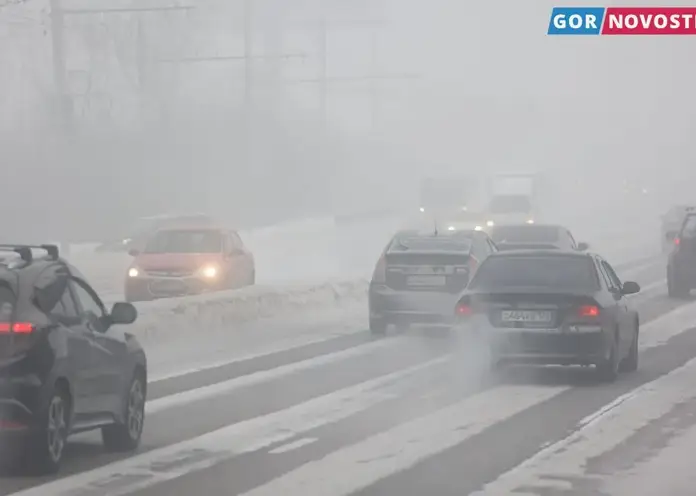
512	199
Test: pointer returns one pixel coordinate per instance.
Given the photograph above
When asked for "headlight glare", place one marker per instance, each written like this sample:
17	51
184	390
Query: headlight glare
209	271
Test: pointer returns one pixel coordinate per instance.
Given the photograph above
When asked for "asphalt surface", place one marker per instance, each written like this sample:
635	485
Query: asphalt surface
408	415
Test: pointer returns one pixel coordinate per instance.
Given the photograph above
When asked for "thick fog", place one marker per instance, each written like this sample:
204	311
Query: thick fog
151	120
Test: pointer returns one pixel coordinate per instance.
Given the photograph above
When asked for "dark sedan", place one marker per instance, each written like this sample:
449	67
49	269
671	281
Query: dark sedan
552	307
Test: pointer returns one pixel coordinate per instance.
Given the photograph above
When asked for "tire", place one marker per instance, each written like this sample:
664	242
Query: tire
378	327
674	288
125	435
45	447
608	369
630	362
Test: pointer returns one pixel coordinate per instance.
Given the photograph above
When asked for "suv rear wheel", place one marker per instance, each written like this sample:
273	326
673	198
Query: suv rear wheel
45	447
675	288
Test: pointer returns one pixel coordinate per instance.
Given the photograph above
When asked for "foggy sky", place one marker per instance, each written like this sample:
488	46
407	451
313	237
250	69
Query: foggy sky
488	90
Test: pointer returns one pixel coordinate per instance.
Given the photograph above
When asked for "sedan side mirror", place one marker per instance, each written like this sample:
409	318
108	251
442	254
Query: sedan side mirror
670	235
123	313
630	287
583	246
133	252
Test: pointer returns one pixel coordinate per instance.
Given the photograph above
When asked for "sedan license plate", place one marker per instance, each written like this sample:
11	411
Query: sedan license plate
172	286
526	316
426	280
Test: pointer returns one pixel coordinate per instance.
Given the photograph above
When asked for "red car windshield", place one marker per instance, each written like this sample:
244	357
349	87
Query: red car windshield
185	241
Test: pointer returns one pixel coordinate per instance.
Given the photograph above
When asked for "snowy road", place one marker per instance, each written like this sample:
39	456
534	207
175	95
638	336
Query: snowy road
407	415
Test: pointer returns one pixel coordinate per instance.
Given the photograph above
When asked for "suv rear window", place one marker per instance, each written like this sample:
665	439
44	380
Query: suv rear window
431	244
548	272
525	234
185	241
7	301
689	229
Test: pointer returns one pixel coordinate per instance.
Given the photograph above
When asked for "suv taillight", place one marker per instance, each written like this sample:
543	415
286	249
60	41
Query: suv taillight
16	328
463	310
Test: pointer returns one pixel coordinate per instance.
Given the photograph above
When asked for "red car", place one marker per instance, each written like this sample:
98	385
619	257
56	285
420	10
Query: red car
182	261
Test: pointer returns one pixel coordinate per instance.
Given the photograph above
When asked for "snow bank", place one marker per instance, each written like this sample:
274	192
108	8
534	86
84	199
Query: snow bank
175	317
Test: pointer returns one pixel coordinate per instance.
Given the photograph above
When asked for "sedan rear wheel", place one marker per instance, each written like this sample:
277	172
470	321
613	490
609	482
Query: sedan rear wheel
608	369
630	363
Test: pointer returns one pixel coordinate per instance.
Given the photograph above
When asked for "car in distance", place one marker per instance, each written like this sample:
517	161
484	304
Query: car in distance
534	236
66	366
420	274
671	223
552	307
189	260
681	263
144	227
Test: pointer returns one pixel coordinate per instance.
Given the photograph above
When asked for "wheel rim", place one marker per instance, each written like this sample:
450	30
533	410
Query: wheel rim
136	410
56	428
614	363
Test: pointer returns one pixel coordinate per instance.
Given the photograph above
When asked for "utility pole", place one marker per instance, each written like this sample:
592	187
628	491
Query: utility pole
324	81
323	54
58	15
65	106
248	59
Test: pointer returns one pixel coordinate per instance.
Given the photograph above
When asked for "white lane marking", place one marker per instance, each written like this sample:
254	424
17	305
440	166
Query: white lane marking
292	345
671	471
225	387
562	464
294	445
648	289
173	461
639	268
350	469
657	332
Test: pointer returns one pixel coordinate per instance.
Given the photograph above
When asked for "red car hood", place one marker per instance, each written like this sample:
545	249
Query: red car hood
182	261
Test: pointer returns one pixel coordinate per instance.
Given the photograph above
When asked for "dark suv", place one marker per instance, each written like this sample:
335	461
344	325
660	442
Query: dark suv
65	366
681	265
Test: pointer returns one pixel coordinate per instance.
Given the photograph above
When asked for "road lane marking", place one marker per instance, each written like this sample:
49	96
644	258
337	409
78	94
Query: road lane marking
300	443
350	469
226	387
560	465
173	461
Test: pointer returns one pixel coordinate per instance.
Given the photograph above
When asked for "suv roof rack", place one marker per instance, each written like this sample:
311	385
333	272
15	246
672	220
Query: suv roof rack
24	251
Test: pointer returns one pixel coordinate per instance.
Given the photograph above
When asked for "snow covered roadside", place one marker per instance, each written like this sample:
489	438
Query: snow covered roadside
167	319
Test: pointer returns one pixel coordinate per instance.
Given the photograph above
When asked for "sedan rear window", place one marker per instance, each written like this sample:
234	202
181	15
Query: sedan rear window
431	244
525	234
546	272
